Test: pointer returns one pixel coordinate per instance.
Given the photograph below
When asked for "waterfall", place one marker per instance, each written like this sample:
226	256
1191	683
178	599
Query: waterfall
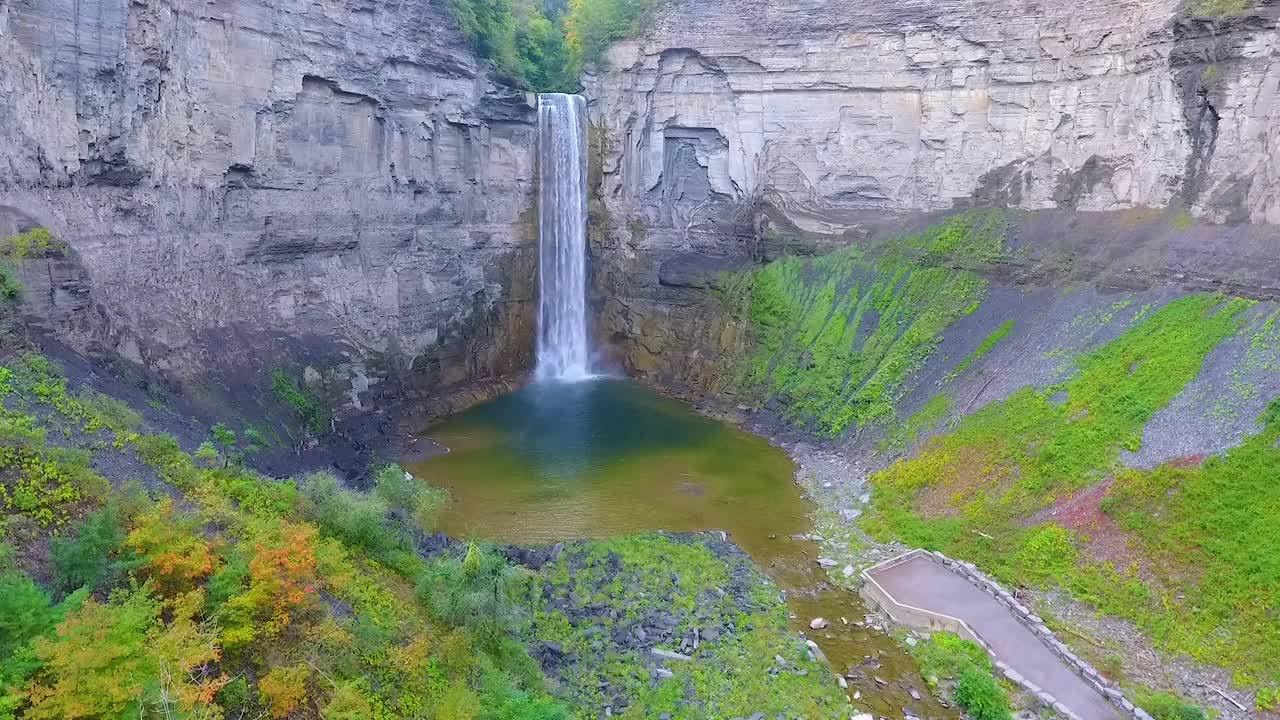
562	238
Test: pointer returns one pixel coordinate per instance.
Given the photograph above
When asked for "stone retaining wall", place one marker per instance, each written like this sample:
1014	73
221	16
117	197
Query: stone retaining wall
1036	625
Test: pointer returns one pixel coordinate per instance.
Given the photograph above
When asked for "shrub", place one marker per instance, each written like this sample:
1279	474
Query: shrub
593	24
412	498
282	585
96	665
91	558
476	593
284	689
358	519
171	547
25	611
102	411
1167	706
946	655
315	416
1047	555
1268	698
10	286
397	487
979	694
536	46
32	243
234	697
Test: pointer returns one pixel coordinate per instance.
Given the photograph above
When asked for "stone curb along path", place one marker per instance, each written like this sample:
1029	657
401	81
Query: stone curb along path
906	614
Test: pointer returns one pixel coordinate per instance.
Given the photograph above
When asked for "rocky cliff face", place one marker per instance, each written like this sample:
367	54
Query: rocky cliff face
237	181
733	129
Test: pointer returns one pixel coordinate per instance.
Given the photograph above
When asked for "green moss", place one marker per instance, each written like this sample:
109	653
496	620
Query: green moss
990	342
1209	76
1201	536
837	338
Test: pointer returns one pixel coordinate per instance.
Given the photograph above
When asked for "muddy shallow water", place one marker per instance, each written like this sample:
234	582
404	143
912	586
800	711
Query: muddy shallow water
609	457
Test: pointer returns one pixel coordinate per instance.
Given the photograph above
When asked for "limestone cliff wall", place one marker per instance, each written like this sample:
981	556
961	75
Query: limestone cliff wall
734	128
243	179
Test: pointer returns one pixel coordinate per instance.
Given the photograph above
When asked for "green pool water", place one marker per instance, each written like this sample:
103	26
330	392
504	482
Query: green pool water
609	457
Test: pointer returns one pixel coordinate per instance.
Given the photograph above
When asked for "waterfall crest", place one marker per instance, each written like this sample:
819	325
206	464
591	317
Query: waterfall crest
562	352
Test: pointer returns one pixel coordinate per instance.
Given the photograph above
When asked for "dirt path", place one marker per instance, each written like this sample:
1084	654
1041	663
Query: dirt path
925	584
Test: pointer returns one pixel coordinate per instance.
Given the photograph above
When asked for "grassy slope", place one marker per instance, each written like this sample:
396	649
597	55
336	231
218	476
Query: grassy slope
221	592
1194	581
1189	553
247	595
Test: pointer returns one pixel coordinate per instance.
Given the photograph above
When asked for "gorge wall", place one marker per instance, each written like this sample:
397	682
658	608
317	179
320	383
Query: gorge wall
734	133
335	182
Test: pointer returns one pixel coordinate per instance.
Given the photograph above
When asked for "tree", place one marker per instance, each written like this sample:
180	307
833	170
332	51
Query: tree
91	558
476	593
25	611
96	664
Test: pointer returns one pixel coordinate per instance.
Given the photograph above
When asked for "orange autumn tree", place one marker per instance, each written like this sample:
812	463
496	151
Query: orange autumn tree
282	585
284	689
174	553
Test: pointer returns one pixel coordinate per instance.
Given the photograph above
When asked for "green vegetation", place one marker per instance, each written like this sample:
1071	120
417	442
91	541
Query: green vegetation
540	45
948	657
836	338
928	417
314	414
613	588
249	597
1268	698
10	286
31	244
1220	9
221	593
1208	533
1164	706
92	554
593	24
990	342
1197	562
15	248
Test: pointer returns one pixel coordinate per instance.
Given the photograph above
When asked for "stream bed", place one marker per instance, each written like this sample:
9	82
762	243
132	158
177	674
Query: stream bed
607	457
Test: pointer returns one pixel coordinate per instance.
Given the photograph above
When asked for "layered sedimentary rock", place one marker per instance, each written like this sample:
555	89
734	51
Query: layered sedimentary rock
733	129
240	180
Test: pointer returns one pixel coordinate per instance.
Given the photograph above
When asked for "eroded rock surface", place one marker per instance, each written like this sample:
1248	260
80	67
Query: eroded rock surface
239	180
739	132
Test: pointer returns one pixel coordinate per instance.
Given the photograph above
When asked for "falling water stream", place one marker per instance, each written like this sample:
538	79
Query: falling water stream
568	459
562	348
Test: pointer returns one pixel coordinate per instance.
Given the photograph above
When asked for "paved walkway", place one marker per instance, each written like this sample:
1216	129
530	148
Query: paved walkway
925	584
